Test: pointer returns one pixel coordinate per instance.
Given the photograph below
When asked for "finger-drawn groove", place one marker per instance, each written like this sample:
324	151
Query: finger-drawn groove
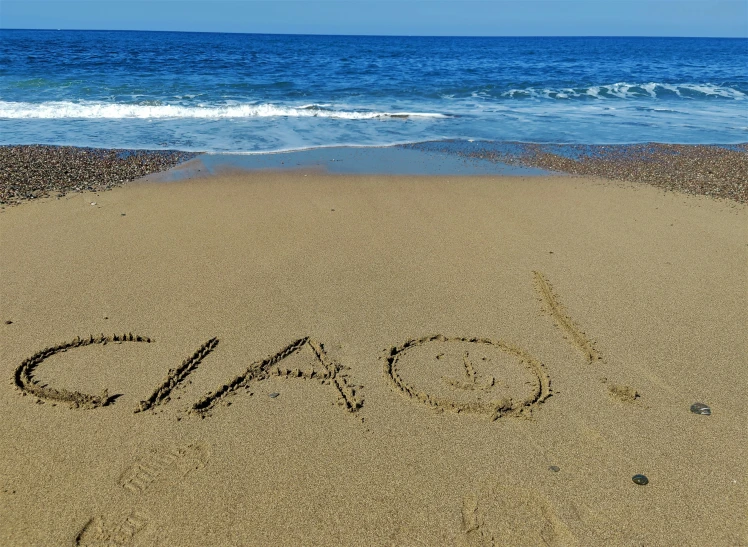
471	384
575	335
506	406
469	370
176	376
332	373
25	381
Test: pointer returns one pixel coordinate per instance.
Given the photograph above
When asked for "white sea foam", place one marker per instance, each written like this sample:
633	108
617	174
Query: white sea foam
650	88
101	110
624	90
708	89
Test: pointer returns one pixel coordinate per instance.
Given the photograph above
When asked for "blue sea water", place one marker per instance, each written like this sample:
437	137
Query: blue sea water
261	93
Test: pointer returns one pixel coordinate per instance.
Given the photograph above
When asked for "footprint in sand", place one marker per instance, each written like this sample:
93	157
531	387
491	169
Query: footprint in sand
101	531
167	464
129	525
512	516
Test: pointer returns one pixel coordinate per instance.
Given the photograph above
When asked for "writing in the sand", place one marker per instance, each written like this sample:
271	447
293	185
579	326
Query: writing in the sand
459	374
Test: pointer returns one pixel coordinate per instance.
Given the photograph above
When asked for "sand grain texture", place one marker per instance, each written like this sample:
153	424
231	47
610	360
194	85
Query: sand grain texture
310	282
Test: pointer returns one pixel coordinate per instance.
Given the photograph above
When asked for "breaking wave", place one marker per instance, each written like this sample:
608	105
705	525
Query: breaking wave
102	110
623	90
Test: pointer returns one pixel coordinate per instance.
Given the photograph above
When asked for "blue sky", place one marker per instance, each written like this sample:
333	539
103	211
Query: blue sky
400	17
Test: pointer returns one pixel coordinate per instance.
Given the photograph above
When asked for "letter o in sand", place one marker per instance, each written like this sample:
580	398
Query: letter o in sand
473	375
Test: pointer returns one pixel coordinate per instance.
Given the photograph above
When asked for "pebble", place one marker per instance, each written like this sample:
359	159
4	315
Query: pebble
34	171
9	322
554	468
707	170
641	480
273	395
701	408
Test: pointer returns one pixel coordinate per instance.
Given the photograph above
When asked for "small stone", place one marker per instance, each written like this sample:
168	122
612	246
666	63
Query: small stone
9	322
701	408
122	214
554	468
273	395
641	480
93	203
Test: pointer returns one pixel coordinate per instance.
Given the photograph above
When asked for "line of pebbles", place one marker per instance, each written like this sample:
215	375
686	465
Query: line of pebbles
34	171
706	170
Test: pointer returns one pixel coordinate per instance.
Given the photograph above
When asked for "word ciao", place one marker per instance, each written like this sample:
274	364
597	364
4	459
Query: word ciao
470	375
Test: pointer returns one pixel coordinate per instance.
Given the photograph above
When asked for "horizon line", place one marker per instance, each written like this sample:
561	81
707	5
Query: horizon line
52	29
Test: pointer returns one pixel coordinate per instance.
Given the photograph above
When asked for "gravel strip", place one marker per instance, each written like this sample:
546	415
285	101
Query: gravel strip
706	170
34	171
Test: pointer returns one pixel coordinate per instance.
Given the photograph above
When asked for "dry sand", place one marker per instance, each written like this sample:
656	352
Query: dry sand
577	321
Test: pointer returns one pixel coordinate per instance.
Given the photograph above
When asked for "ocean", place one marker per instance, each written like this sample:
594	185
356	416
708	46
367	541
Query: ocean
245	93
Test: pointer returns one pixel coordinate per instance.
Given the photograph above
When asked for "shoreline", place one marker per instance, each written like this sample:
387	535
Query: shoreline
717	170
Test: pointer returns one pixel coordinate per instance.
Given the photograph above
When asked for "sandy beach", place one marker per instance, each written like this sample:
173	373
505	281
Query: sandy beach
276	358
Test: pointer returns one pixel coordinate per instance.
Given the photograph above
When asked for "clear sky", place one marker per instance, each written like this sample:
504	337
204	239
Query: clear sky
400	17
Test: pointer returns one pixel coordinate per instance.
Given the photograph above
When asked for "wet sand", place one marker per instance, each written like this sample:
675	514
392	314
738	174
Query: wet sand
382	360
